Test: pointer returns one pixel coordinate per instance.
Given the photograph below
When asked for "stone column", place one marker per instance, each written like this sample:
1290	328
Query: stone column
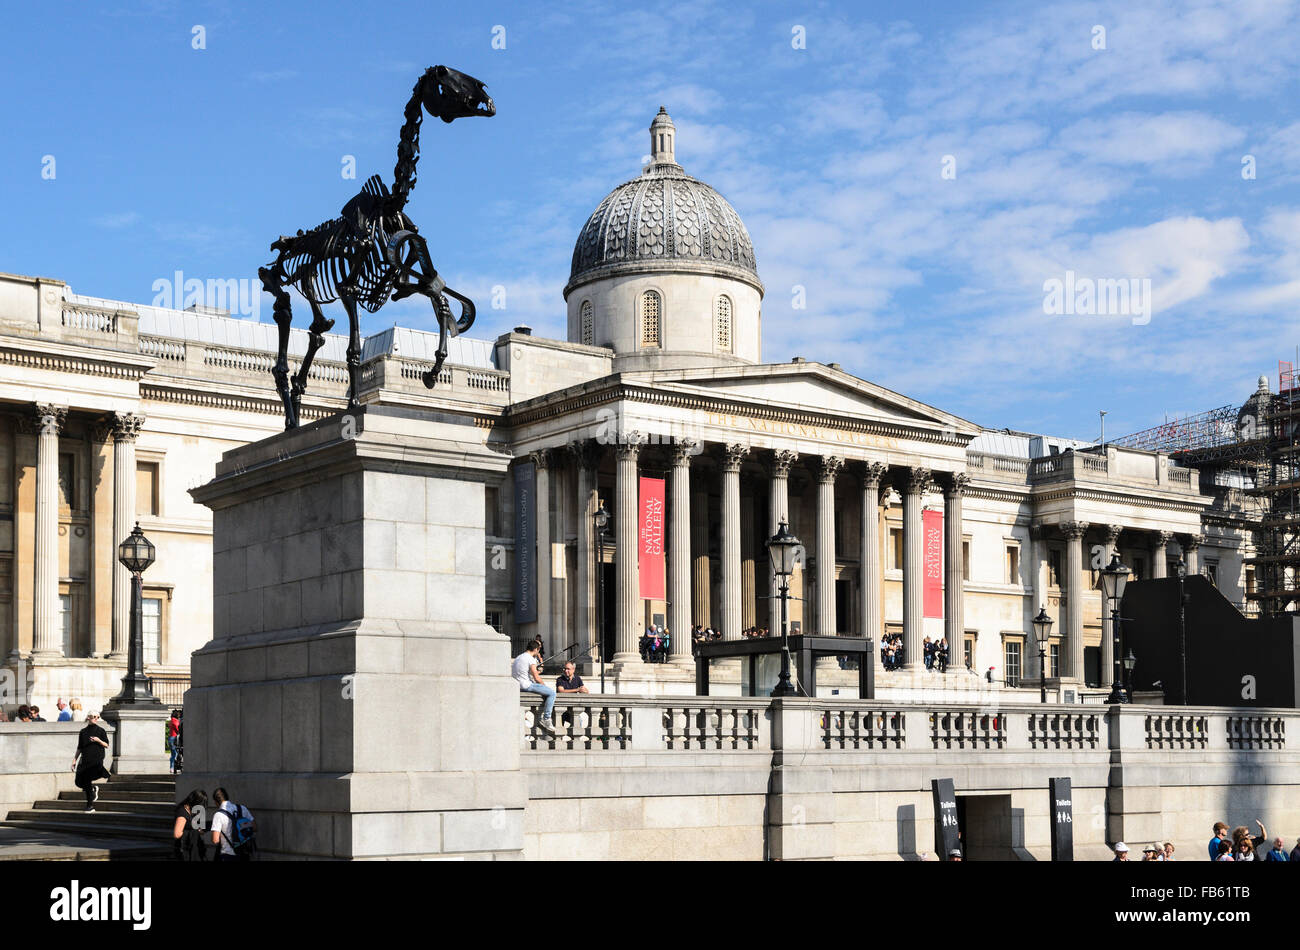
748	567
48	638
701	581
679	554
629	615
1074	532
778	511
733	456
1113	532
586	456
869	556
542	462
1191	552
1039	562
954	624
1160	556
126	428
826	620
918	480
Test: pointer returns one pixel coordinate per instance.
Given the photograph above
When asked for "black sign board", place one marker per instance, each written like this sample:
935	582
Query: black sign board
946	837
1062	812
525	543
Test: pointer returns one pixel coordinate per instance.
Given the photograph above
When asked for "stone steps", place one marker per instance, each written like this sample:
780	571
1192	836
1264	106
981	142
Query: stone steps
132	817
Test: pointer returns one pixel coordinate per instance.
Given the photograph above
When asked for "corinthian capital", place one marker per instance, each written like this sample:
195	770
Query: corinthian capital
1193	541
683	449
873	472
44	419
1113	532
957	483
1163	538
782	459
918	480
830	468
1074	530
629	445
540	458
126	426
733	455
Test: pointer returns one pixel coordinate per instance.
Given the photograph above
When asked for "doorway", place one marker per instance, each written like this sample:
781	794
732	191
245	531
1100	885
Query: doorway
987	826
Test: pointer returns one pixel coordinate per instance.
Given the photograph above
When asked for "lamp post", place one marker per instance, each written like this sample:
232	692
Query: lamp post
600	520
136	553
1042	631
781	548
1114	576
1181	571
1130	661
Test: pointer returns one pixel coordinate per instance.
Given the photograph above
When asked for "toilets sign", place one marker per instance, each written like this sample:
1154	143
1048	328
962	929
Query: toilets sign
1061	808
946	836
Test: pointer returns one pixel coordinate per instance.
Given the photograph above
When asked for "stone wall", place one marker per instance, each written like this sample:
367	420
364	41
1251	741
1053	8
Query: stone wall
36	761
747	779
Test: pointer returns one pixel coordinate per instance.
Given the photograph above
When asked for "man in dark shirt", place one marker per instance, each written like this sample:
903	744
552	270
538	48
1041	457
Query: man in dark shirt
569	681
92	743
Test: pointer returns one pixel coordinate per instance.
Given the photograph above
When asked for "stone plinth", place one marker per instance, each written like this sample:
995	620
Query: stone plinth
139	738
352	695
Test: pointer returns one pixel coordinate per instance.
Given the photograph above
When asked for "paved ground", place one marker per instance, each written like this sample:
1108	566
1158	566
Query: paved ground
22	844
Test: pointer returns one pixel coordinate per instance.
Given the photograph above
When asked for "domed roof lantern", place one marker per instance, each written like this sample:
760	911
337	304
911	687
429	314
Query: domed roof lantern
662	133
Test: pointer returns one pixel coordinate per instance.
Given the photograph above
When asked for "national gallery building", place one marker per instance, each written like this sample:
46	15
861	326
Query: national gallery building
659	407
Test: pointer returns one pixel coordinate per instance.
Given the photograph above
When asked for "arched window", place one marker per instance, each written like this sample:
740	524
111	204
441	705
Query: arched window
650	319
722	323
587	332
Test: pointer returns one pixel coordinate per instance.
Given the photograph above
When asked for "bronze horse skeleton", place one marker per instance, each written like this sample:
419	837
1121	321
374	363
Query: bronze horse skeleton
372	252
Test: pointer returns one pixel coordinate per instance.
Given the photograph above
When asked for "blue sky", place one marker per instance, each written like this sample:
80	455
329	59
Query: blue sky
1123	162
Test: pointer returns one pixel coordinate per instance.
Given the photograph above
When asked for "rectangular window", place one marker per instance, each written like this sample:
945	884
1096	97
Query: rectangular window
1054	567
65	622
151	629
965	560
1212	571
1139	568
1013	564
146	488
896	549
494	621
1250	579
1054	658
67	480
968	650
1011	669
491	524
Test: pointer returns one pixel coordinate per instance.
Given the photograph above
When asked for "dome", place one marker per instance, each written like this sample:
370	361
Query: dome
663	221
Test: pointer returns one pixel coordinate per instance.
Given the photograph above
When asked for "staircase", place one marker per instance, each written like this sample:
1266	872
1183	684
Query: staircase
133	816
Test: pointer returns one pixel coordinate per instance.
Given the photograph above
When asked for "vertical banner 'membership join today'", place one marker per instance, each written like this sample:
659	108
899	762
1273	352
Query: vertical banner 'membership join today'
651	546
932	554
525	540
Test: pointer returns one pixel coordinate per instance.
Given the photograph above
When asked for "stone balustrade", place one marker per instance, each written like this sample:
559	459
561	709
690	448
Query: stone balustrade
1127	466
626	723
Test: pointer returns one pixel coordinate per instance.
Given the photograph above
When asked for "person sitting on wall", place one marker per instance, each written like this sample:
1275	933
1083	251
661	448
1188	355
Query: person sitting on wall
525	671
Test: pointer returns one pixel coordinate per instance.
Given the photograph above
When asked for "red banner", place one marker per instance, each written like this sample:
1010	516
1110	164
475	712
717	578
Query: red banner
932	589
652	539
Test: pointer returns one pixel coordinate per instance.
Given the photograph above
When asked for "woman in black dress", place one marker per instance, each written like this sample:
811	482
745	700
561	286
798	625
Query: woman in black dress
92	743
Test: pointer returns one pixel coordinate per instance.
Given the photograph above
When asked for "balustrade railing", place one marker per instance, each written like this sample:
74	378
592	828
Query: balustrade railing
88	318
594	723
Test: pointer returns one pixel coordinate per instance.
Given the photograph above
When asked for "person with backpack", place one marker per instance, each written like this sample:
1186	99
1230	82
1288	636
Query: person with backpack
234	831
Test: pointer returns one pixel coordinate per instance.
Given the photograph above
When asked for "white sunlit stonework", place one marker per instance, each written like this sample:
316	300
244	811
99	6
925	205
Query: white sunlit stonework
664	350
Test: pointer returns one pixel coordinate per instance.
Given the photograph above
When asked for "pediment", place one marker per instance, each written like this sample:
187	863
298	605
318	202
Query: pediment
809	388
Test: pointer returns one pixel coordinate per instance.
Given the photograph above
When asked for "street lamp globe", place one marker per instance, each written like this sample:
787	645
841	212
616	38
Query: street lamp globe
602	517
137	552
1042	626
781	548
1114	577
1130	661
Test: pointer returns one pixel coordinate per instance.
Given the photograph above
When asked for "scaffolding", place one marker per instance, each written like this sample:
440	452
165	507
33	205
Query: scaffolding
1277	540
1251	453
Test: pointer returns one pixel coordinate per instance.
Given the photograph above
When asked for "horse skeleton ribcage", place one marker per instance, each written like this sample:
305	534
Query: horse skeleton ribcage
321	260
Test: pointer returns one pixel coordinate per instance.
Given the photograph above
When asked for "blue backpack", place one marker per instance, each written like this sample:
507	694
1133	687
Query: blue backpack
242	837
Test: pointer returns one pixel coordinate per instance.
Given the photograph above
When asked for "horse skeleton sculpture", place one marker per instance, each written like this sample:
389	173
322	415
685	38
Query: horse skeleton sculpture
372	252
